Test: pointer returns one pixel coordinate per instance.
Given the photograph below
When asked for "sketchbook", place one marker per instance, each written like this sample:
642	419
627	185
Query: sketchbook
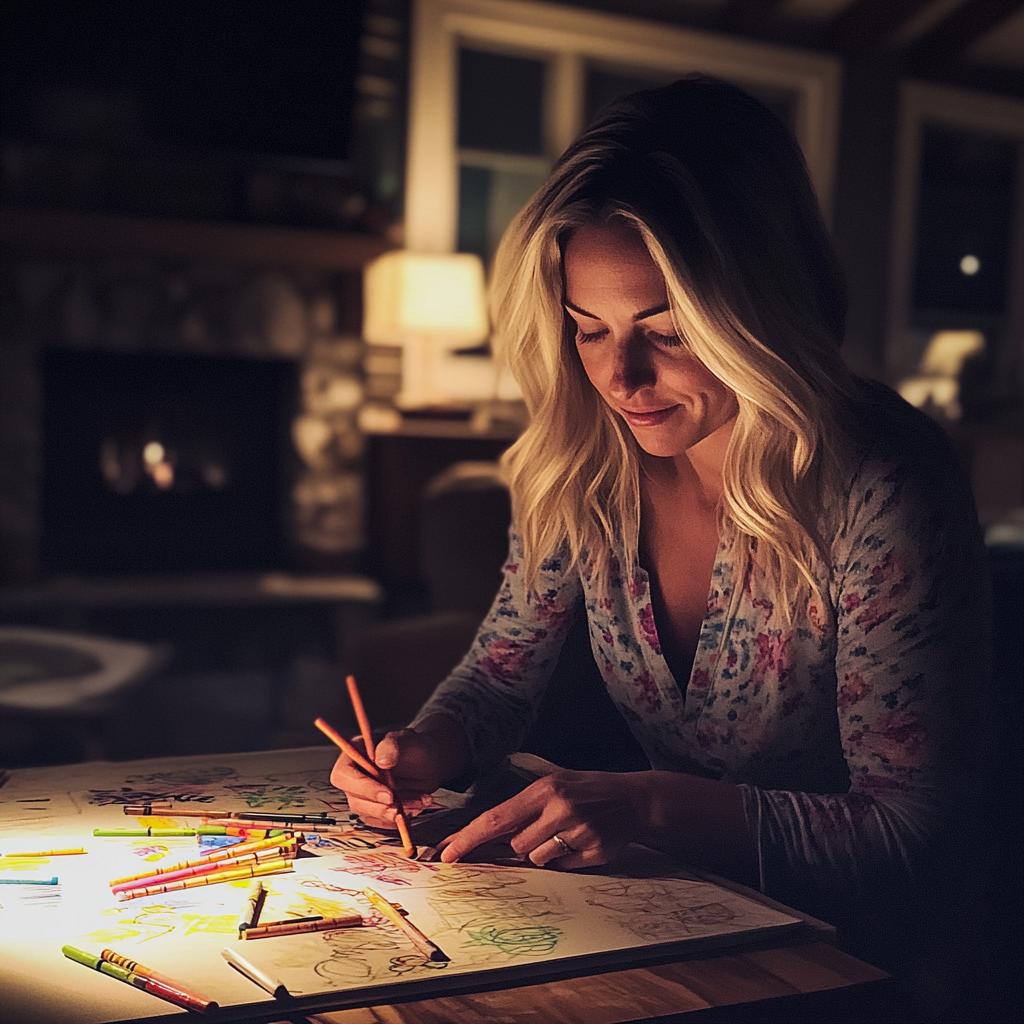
497	924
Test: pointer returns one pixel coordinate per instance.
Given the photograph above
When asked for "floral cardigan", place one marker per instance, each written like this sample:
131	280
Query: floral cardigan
845	728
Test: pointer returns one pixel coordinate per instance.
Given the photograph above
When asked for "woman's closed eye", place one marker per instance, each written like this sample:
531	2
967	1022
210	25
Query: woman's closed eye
667	340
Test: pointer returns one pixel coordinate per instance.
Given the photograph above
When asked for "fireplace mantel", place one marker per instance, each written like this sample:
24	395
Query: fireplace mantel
75	231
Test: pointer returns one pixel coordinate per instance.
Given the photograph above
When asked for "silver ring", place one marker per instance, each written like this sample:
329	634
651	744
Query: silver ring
563	845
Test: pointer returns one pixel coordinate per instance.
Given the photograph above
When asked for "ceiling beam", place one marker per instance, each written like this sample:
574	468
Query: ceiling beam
866	24
748	15
955	34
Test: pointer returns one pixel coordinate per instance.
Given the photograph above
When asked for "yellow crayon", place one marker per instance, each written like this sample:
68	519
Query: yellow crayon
45	853
286	844
229	875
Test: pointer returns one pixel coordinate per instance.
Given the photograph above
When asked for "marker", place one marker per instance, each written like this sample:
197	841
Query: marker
230	875
29	881
221	854
429	949
130	832
154	984
192	1001
253	973
325	924
207	868
252	907
146	810
66	852
293	920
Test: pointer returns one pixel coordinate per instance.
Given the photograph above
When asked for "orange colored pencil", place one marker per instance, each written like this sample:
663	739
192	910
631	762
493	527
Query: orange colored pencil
408	848
339	741
364	722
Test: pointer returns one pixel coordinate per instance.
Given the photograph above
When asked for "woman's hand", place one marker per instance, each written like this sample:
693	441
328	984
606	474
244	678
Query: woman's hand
594	814
417	760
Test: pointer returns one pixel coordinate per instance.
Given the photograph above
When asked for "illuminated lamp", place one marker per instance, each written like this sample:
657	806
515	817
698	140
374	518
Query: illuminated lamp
429	304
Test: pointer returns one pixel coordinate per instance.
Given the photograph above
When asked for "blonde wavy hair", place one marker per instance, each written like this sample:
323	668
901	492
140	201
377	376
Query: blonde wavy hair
717	189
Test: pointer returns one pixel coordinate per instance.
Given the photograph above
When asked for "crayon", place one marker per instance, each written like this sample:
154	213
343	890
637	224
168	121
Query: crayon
224	853
230	875
294	920
130	832
29	881
325	924
244	830
418	939
283	817
192	1000
239	826
206	868
253	973
170	991
250	915
66	852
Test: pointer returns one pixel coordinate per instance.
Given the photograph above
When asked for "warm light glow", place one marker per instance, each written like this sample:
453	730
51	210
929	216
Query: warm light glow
153	454
947	351
938	386
970	265
163	475
411	296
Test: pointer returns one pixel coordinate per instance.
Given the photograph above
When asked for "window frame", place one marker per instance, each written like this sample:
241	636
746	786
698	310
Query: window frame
923	103
567	37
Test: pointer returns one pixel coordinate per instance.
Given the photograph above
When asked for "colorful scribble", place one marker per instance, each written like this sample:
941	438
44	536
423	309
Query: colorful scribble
534	940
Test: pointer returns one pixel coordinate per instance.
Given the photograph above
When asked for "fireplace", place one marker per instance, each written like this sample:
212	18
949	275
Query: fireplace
165	462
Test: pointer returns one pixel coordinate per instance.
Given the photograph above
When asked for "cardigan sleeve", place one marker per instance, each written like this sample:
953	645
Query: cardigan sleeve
495	690
910	594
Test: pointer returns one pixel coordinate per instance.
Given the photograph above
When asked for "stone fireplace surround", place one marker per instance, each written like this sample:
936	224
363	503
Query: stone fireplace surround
108	283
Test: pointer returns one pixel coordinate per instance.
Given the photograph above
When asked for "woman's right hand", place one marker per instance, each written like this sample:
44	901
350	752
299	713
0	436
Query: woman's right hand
417	760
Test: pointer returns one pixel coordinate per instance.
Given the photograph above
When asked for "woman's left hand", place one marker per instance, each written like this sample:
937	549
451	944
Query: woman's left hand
579	819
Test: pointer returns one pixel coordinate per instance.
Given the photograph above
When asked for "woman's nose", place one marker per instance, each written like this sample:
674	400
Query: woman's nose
633	367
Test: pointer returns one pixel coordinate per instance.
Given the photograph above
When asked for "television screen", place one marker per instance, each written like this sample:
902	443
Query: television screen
267	79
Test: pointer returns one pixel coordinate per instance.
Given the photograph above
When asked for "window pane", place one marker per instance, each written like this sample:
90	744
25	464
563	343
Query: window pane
488	200
964	213
500	103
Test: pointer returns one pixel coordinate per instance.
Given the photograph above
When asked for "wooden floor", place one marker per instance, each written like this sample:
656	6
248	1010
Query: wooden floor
640	993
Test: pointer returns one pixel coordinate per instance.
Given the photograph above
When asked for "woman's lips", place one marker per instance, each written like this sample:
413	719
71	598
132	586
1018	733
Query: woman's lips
647	417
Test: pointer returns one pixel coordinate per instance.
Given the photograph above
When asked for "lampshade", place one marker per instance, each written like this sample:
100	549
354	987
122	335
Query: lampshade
409	296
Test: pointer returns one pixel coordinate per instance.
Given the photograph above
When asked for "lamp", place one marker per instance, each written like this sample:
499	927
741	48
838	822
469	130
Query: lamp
429	304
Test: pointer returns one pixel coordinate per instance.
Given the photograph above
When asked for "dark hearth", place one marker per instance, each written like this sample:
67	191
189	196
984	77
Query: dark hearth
159	462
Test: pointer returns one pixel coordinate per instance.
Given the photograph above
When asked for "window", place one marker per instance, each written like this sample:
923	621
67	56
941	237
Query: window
500	87
958	242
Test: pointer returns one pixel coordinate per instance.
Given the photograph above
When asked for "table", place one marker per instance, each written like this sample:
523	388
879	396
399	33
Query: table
793	968
801	982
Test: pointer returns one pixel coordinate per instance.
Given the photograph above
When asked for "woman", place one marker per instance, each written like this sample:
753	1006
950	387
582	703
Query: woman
779	562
